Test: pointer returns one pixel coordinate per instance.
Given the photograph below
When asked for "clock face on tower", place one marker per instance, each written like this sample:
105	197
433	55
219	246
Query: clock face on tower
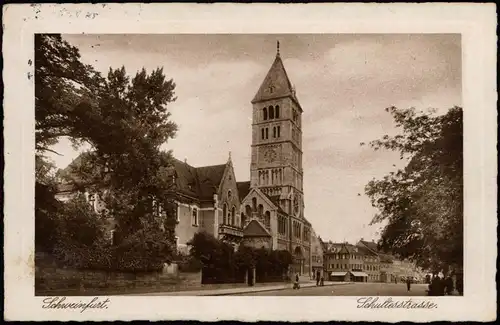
270	155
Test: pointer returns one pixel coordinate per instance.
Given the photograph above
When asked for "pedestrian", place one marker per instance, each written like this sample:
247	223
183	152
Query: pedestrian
296	285
318	275
321	282
408	283
440	286
434	286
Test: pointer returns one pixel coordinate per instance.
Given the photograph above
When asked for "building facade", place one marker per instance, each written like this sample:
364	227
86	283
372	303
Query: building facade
268	210
345	262
276	197
316	255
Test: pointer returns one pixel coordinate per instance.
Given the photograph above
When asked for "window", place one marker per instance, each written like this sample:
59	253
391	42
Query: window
195	217
229	195
274	132
224	213
242	220
254	204
271	112
264	110
113	237
278	131
281	225
267	133
233	216
261	210
248	210
267	219
263	135
277	111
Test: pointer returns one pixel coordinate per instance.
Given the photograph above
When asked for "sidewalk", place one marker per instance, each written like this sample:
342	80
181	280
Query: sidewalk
241	290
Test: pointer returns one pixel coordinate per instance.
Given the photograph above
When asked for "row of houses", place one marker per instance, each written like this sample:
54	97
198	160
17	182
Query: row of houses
361	262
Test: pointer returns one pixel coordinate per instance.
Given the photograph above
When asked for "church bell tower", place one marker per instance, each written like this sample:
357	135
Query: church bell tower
276	162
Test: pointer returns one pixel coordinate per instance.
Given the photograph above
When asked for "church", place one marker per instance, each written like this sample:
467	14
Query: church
266	211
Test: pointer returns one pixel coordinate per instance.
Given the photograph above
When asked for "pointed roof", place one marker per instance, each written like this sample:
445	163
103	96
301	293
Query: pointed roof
276	84
209	178
370	245
243	189
255	229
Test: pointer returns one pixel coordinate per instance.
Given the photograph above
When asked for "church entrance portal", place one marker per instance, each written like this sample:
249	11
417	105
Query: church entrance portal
298	260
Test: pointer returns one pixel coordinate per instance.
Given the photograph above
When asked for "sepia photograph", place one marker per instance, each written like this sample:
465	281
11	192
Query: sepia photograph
307	164
196	162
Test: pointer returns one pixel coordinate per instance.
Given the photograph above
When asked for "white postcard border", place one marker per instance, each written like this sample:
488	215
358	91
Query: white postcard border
476	23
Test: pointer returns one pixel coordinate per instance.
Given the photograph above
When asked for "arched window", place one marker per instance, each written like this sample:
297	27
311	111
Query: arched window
229	195
254	204
233	216
242	220
224	213
263	134
277	111
274	132
261	209
264	110
267	133
271	112
248	211
267	218
279	131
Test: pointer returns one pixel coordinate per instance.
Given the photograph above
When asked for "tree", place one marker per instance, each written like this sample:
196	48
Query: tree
125	121
422	203
80	241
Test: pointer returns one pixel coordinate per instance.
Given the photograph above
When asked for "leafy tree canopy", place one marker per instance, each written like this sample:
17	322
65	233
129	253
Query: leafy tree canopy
124	120
422	203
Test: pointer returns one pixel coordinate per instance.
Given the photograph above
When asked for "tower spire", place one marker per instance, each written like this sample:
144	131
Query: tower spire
277	48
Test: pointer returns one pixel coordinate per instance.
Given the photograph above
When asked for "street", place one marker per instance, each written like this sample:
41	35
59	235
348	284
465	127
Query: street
354	289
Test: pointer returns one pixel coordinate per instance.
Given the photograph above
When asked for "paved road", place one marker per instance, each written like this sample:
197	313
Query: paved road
355	289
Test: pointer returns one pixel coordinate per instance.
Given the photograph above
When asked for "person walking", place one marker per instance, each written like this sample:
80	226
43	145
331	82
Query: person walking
296	284
318	275
408	283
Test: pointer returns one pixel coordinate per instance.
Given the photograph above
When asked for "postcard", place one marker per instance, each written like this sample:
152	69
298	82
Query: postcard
193	162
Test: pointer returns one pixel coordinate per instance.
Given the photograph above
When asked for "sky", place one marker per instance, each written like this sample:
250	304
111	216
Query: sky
344	82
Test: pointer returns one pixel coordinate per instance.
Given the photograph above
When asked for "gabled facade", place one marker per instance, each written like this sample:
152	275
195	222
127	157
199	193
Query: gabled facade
268	210
346	262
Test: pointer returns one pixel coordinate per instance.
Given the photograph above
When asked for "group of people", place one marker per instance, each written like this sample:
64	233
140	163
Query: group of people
319	279
442	286
318	276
